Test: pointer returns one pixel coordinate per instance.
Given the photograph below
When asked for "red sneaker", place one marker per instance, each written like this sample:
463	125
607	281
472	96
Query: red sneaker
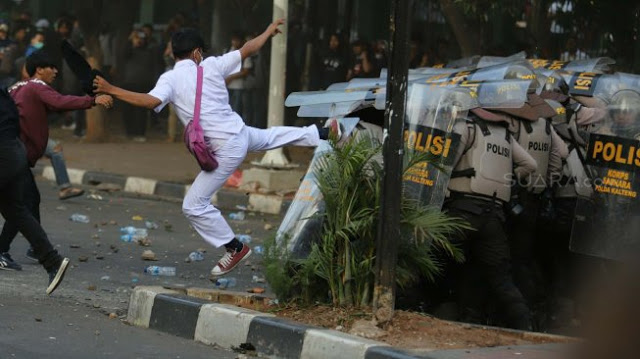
335	129
230	260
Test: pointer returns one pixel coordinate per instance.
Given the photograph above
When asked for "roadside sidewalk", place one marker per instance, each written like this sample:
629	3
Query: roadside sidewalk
161	169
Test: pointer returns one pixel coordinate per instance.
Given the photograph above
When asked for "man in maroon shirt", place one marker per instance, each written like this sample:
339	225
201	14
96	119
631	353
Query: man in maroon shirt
34	99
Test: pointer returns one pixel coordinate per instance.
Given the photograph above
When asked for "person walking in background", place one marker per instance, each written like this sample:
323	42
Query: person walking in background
235	82
15	172
224	131
139	72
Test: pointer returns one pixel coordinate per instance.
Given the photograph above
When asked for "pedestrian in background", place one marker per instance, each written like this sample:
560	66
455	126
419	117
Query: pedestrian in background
235	82
332	63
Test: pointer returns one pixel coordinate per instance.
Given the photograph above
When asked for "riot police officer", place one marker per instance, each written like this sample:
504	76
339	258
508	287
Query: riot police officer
480	188
531	127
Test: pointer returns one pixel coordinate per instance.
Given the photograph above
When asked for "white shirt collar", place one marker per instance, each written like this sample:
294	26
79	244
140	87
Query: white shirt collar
184	63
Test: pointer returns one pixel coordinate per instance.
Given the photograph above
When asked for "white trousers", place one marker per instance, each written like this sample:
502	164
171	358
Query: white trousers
207	219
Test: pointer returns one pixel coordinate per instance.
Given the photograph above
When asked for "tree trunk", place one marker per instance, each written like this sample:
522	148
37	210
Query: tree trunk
466	36
538	26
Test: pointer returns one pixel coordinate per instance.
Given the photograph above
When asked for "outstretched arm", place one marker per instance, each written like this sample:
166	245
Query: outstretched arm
252	46
134	98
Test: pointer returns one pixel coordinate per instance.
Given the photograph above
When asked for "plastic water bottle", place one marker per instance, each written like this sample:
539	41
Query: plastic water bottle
224	283
80	218
151	225
258	250
238	216
196	256
244	238
132	237
160	271
133	230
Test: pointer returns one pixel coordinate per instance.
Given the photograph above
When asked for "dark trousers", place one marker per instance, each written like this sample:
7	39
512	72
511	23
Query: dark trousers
15	173
486	273
31	199
135	120
523	239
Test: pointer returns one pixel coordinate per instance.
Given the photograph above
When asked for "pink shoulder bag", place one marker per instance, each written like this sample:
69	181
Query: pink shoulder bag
194	136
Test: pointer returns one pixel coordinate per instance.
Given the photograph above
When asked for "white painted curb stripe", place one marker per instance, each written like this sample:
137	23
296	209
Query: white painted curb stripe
224	325
320	344
140	185
76	175
265	203
141	304
48	173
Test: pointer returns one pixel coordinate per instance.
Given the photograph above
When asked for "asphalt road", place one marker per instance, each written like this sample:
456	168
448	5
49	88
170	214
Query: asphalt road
76	316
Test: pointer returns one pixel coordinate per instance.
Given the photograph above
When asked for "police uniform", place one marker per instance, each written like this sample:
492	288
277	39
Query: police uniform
540	141
480	187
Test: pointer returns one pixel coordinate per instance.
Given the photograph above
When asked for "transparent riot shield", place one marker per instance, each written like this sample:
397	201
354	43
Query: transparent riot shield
301	226
330	103
599	65
607	224
431	112
603	86
470	61
519	69
495	60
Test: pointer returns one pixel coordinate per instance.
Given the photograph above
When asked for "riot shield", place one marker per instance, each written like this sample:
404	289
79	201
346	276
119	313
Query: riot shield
336	103
431	113
598	65
607	224
470	61
603	86
513	70
495	60
301	226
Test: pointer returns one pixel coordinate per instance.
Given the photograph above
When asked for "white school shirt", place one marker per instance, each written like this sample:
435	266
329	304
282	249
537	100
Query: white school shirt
178	86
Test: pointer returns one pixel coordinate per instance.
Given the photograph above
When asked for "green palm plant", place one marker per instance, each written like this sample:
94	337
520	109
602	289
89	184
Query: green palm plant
341	263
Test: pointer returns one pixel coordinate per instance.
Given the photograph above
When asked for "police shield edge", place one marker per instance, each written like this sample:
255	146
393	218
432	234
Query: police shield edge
607	224
301	225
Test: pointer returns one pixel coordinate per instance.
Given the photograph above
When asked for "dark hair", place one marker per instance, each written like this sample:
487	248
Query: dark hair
184	41
150	26
36	33
39	59
65	21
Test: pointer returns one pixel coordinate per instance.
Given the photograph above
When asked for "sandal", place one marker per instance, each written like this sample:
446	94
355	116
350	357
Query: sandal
70	193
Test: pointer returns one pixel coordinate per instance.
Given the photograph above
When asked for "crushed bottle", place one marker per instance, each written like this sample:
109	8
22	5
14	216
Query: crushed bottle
238	216
196	256
160	271
151	225
133	230
80	218
133	238
224	283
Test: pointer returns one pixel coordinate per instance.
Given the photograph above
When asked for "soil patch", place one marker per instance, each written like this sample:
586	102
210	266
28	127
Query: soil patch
413	330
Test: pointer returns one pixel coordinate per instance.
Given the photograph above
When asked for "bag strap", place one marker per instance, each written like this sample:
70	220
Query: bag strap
196	110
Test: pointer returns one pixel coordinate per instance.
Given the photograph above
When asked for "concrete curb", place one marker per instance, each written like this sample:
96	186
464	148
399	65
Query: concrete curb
176	311
229	326
225	198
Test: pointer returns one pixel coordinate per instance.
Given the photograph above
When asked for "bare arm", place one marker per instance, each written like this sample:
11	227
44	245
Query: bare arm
252	46
134	98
